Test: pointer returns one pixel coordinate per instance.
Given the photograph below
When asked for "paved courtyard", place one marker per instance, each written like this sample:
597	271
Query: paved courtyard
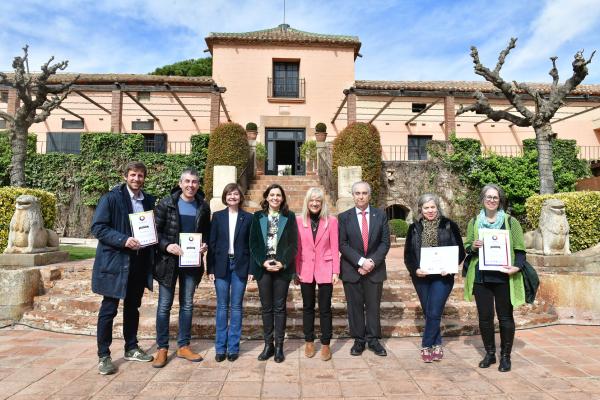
554	362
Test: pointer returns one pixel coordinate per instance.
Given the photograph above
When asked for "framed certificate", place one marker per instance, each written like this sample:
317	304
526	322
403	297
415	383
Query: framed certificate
143	228
190	244
495	253
435	260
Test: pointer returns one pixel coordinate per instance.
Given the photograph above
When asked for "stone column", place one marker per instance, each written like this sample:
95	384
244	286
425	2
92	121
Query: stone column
13	101
222	175
351	107
116	116
347	176
449	116
215	110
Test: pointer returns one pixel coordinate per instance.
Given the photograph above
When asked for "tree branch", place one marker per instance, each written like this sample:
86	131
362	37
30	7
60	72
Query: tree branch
503	54
7	116
482	106
554	73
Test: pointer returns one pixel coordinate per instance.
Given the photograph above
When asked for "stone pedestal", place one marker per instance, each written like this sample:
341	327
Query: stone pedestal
32	260
222	175
18	287
347	176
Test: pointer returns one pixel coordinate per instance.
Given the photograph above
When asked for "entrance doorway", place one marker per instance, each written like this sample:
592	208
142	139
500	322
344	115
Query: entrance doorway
283	151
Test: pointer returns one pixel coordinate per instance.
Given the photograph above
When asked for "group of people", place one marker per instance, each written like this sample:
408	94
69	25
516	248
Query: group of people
274	247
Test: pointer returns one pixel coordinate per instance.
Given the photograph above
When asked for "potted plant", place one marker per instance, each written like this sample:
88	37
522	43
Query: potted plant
251	130
321	132
308	153
260	156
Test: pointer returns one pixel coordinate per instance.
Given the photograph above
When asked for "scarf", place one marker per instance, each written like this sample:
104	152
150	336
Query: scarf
482	221
430	233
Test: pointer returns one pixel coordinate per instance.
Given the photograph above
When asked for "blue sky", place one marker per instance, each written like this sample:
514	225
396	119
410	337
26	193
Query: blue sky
401	40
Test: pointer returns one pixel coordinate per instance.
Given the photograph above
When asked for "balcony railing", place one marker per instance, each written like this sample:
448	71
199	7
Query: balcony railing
286	88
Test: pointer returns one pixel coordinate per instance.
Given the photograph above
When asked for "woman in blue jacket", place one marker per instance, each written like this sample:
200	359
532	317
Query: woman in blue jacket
229	261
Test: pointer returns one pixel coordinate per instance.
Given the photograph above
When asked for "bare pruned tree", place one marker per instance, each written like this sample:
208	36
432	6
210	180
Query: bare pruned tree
37	99
546	104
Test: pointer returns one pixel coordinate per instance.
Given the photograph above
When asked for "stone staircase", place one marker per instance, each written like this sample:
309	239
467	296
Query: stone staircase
295	188
69	306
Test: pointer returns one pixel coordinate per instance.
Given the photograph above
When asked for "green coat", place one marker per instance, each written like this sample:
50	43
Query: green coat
287	244
517	241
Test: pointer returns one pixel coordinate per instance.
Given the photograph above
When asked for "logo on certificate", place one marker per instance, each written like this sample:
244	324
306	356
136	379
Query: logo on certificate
191	238
142	218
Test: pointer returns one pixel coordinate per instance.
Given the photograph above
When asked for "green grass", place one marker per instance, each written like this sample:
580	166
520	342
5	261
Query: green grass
79	253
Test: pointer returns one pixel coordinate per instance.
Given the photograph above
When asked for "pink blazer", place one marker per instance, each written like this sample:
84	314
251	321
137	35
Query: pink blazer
317	259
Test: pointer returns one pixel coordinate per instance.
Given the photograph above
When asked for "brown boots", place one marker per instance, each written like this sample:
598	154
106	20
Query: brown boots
160	359
310	351
187	353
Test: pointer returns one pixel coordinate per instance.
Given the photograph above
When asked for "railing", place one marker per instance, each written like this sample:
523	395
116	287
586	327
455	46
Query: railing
179	147
286	88
589	153
247	174
503	150
324	170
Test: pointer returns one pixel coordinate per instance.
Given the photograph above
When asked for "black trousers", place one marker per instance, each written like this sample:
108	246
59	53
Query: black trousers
488	295
364	297
308	311
273	289
136	282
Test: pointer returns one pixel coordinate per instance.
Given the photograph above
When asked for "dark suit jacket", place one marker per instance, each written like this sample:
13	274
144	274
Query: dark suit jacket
351	245
218	246
287	244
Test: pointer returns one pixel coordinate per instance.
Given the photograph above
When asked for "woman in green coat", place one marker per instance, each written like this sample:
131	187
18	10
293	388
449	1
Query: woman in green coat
273	246
503	289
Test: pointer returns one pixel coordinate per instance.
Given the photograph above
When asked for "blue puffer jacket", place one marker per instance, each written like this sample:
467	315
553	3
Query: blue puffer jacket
111	227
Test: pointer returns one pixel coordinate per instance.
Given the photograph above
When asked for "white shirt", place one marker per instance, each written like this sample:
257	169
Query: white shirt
359	216
136	201
232	221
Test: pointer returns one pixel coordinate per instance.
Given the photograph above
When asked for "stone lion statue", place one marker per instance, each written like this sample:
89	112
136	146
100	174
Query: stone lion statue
552	236
27	233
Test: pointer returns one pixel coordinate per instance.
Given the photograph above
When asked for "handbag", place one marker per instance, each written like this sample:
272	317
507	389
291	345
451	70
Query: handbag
531	281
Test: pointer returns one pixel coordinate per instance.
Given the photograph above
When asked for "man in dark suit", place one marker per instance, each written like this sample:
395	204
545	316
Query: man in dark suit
364	243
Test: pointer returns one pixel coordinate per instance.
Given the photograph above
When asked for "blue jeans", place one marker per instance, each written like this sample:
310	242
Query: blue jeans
166	294
433	292
230	296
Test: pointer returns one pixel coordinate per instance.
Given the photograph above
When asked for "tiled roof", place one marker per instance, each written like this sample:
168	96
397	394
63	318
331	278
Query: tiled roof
462	86
283	34
141	79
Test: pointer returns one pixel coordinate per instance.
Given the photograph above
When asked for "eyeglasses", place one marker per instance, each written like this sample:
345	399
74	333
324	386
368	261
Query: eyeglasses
492	198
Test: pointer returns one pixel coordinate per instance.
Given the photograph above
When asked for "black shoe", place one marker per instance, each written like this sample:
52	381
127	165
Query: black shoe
357	349
279	356
267	352
220	357
232	356
488	359
504	365
377	348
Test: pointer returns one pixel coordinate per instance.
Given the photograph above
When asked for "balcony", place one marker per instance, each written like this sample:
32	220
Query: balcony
286	90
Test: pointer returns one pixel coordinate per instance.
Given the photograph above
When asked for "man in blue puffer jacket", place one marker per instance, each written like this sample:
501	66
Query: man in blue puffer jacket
122	268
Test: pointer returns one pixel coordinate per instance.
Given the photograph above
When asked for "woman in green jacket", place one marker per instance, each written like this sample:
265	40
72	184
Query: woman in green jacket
273	247
503	288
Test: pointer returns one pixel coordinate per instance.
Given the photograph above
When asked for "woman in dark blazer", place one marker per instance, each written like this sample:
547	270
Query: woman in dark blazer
431	229
229	262
273	247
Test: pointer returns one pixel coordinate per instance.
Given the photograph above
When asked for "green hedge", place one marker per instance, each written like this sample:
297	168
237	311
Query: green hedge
8	196
583	214
360	144
398	227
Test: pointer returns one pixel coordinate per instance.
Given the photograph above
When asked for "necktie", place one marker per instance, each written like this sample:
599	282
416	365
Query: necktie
365	231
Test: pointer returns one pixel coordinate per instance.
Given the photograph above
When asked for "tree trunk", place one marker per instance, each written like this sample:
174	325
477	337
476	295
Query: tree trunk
543	138
19	153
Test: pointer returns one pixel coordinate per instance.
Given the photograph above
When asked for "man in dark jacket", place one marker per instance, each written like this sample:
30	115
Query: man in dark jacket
122	267
184	211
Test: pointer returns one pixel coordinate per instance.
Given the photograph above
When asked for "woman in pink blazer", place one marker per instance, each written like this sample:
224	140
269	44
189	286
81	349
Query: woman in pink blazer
317	263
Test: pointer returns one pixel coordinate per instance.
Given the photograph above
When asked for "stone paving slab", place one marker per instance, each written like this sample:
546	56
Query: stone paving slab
554	362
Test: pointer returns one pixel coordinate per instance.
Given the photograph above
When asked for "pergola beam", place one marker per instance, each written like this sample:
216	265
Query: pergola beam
575	114
141	105
224	108
180	102
423	111
100	106
71	112
339	109
386	105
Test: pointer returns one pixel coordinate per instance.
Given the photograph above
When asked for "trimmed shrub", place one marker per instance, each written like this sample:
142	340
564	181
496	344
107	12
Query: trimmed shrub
8	196
398	227
228	146
583	214
321	127
360	144
251	126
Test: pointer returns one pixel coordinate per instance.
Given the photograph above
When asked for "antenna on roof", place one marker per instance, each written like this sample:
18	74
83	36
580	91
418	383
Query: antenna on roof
283	12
